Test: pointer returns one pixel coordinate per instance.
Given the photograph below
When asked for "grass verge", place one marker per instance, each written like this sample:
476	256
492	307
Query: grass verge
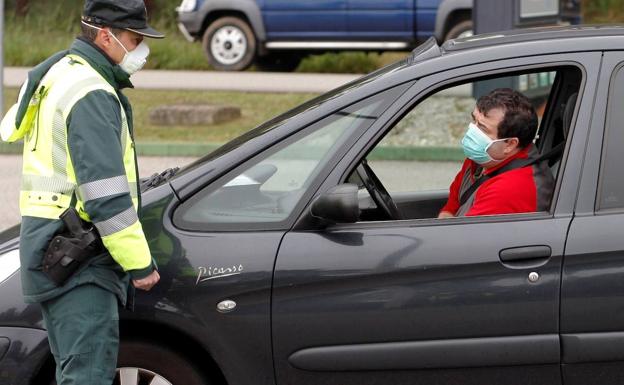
200	140
256	108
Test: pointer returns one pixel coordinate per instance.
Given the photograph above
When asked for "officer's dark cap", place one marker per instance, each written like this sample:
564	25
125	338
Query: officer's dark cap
124	14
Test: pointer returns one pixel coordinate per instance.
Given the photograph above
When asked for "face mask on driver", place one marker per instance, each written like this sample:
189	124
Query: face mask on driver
476	144
134	60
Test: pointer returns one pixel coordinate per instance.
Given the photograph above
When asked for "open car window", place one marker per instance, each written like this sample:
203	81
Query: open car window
419	157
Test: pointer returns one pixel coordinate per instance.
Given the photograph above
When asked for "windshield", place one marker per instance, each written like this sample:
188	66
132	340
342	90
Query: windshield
282	119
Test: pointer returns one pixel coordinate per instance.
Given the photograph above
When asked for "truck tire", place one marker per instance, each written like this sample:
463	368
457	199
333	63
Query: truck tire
229	44
146	363
462	29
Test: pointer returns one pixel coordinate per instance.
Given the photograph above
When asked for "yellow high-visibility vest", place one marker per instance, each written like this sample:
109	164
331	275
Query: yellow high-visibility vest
49	184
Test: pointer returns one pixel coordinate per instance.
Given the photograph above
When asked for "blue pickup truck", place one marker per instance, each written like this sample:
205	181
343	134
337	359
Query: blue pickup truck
276	34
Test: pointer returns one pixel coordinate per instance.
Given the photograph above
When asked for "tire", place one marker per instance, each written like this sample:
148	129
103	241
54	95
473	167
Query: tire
461	29
151	362
229	44
286	62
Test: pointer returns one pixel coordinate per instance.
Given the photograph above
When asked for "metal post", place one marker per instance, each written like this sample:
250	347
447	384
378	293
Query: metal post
1	57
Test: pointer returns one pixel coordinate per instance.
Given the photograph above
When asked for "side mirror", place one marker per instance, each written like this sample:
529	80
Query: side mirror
339	204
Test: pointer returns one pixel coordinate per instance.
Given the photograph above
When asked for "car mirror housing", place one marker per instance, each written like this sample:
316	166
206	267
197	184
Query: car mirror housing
338	205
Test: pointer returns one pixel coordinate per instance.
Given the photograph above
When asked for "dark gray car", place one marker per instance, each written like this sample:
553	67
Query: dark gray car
306	252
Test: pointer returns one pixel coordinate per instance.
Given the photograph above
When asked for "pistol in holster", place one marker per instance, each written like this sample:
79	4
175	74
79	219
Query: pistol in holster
70	249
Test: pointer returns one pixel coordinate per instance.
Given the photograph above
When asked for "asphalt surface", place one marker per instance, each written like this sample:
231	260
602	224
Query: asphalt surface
230	81
11	166
218	81
396	176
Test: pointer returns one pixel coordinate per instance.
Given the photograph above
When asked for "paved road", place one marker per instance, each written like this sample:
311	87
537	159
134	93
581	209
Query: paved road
397	176
230	81
219	81
11	166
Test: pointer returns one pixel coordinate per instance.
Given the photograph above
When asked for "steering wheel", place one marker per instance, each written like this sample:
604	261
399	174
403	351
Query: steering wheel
377	191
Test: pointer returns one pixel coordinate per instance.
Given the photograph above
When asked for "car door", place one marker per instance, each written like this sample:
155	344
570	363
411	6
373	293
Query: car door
304	19
389	20
219	244
592	298
428	301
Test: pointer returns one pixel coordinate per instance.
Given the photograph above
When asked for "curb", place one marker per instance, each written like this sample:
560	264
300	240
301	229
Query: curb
424	154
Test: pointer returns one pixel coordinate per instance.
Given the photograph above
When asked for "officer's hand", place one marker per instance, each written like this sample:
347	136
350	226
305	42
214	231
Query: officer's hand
148	282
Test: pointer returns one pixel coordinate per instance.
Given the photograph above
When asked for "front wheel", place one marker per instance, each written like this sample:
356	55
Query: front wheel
229	44
144	363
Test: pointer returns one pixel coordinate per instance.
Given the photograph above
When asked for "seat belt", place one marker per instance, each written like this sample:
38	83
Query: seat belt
514	164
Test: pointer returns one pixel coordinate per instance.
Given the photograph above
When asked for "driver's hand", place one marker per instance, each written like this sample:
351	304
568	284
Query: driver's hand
445	214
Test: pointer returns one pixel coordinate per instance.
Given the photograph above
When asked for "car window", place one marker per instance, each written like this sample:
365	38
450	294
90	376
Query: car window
419	157
611	185
280	120
267	189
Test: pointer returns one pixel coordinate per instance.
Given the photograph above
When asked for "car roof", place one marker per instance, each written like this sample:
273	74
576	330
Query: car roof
429	57
593	34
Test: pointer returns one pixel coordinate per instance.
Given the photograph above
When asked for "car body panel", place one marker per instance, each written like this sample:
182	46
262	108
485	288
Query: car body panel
199	270
307	19
393	20
27	352
592	290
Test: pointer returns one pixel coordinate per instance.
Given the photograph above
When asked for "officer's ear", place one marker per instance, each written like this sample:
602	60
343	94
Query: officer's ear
103	38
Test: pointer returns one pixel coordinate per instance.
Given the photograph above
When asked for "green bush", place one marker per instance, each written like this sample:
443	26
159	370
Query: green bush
50	26
345	62
603	11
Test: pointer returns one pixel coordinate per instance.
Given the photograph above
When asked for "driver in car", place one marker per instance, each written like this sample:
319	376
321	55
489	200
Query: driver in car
502	173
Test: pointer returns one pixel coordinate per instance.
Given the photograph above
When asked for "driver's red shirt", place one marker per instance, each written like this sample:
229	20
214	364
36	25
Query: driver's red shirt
522	190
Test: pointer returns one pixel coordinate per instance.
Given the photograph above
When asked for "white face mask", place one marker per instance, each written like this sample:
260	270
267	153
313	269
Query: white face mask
133	60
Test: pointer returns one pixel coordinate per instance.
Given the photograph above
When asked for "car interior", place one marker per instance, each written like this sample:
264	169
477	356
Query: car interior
555	102
268	189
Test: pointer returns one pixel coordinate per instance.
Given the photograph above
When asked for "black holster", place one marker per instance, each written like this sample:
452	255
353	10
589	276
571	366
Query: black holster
70	249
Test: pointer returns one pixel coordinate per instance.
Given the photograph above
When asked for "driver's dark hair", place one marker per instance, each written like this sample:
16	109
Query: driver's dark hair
520	119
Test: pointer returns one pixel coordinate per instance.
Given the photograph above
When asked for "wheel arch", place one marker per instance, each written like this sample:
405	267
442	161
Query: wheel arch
176	340
246	10
449	13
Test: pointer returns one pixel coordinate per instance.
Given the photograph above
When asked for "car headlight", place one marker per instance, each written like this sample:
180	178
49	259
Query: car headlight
187	6
9	264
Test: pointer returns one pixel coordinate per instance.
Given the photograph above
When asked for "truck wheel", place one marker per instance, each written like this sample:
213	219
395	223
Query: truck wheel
229	44
145	363
461	29
279	62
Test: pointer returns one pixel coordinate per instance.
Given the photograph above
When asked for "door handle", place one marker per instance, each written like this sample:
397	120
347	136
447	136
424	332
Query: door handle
525	256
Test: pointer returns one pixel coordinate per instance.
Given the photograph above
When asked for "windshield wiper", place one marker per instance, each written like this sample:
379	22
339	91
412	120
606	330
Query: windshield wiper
158	178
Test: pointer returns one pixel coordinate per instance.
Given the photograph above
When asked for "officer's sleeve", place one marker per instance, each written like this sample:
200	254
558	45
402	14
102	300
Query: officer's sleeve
94	132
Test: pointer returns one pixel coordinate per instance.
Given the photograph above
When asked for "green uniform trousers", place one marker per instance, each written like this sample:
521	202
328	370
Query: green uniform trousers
83	332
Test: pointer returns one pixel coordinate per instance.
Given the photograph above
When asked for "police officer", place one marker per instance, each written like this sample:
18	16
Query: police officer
79	152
